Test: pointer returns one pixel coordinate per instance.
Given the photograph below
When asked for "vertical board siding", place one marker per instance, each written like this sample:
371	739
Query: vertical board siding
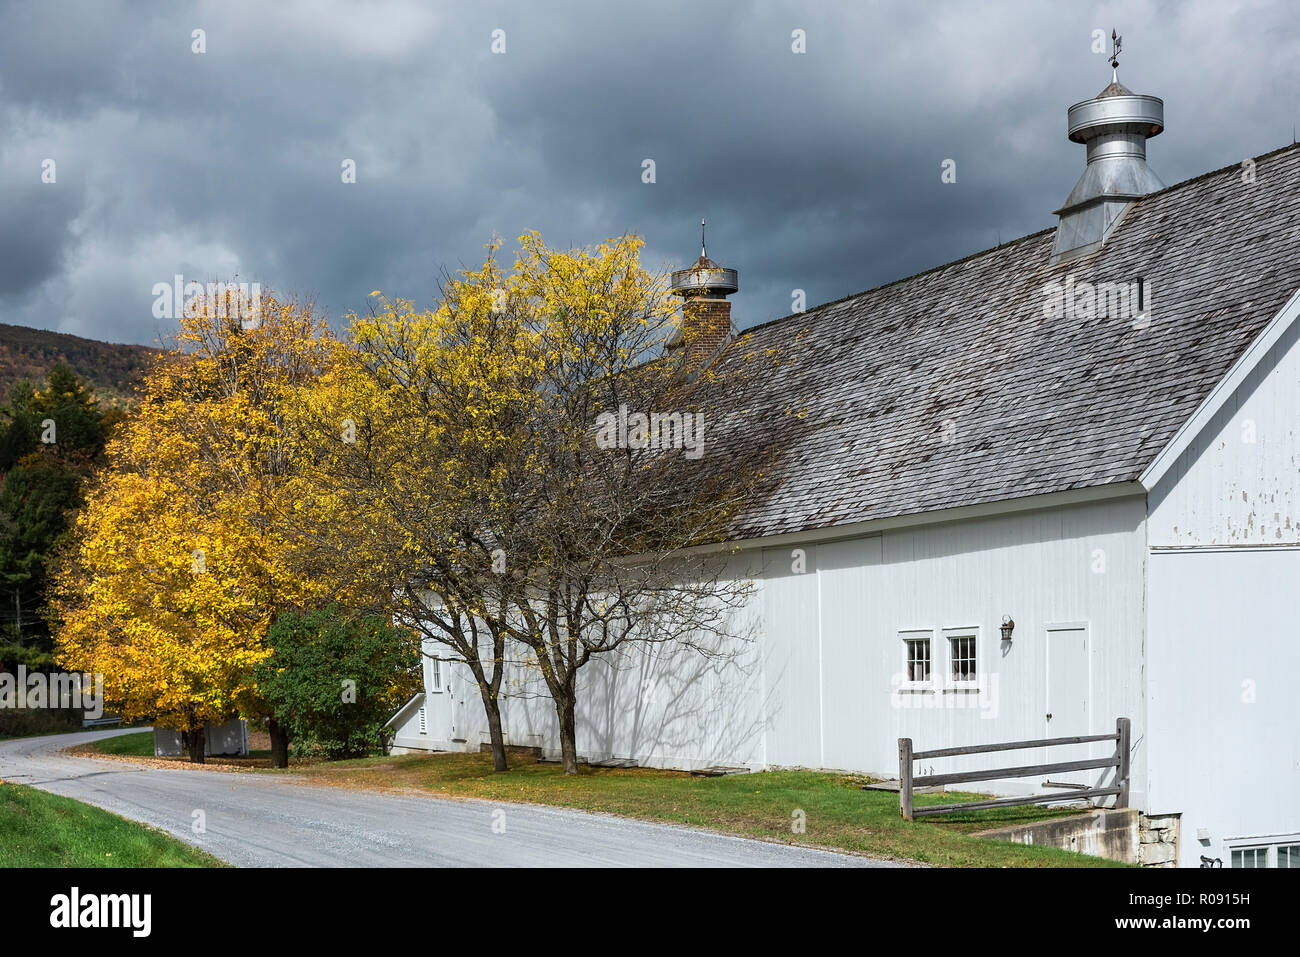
1227	490
814	681
1224	527
658	705
852	680
1036	567
790	636
1225	743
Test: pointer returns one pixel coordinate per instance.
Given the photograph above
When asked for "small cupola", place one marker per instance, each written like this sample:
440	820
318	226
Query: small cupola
706	312
1114	126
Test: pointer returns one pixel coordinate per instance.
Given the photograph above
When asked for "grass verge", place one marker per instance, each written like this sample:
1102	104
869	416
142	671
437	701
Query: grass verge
137	745
45	830
140	745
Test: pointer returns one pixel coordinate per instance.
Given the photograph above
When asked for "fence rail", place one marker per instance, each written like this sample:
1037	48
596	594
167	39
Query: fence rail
907	781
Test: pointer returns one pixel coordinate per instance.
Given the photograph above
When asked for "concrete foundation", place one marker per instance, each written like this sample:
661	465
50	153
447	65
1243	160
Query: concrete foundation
1125	835
1113	834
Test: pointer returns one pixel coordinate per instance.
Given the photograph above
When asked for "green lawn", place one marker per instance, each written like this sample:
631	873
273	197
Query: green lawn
837	813
137	745
140	745
44	830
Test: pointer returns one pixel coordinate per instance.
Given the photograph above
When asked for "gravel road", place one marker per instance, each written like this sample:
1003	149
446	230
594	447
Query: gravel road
255	820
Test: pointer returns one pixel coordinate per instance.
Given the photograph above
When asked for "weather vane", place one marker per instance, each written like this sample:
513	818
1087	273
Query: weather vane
703	248
1117	44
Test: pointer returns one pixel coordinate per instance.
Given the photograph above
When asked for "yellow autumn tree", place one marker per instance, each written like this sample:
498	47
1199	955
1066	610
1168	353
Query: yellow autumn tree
410	449
452	458
623	545
178	565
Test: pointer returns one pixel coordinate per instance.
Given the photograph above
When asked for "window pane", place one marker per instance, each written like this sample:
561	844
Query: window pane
1288	855
918	659
963	658
1250	857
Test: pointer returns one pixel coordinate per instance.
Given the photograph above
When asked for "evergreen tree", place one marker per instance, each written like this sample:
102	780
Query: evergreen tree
51	438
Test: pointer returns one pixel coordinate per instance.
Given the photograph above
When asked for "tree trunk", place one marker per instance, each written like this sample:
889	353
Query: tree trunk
493	707
564	709
279	744
195	741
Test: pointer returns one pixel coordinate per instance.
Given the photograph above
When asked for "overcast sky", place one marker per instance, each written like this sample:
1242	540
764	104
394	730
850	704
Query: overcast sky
818	171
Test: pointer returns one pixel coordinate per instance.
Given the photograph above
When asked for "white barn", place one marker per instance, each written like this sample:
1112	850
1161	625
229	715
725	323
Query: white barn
1093	431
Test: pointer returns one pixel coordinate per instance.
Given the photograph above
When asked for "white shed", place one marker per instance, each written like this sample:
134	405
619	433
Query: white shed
227	739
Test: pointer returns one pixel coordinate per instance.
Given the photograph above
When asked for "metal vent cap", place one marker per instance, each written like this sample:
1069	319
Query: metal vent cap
704	277
1117	113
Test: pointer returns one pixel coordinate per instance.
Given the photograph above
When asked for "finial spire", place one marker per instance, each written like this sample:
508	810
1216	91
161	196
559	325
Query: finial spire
703	248
1117	43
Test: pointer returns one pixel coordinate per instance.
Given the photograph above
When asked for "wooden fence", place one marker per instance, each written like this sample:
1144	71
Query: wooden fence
1119	760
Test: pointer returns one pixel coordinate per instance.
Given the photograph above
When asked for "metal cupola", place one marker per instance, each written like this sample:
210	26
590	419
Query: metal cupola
1114	126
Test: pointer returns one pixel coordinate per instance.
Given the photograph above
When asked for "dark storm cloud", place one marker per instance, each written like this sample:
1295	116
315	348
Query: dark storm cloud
35	233
818	171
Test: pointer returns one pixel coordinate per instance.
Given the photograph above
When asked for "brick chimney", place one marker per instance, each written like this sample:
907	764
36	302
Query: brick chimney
706	312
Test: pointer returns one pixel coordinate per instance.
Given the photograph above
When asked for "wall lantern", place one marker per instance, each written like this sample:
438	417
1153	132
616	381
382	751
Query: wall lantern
1007	627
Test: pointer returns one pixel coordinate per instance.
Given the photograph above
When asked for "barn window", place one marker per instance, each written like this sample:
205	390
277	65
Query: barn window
1268	855
435	674
917	673
918	659
1250	857
962	656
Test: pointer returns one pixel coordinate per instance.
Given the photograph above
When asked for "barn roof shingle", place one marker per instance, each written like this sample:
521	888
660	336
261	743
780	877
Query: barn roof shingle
951	388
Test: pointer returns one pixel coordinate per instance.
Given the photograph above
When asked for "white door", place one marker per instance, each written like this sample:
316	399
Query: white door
460	688
437	701
1068	699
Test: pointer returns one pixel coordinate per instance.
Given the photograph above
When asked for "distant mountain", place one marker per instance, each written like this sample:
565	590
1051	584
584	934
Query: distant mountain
113	370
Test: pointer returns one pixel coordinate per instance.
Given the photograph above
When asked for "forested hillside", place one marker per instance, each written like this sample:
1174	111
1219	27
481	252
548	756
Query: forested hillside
112	370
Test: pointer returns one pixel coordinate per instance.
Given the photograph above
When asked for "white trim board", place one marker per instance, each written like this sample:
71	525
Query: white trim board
960	513
1204	549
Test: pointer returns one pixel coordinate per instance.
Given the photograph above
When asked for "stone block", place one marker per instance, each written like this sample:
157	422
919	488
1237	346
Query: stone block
1156	854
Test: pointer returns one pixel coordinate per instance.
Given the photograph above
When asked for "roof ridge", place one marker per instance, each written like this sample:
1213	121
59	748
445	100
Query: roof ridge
1222	169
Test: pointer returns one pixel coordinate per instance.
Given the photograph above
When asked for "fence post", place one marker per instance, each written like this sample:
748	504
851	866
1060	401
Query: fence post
1122	749
905	777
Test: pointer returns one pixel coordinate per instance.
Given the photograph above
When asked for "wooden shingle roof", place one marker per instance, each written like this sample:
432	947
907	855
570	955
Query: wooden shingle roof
953	388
